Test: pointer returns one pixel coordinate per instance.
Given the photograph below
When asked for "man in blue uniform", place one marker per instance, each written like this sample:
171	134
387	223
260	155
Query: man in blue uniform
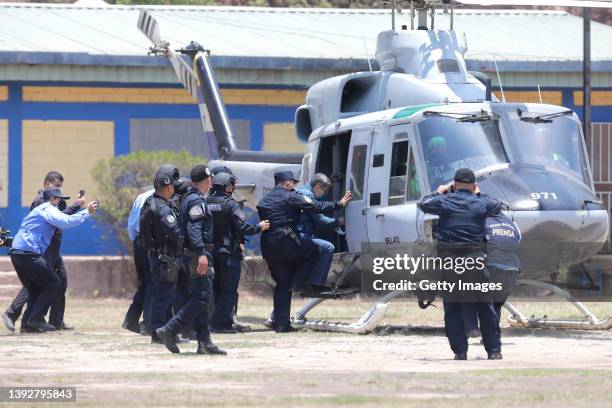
462	212
53	179
141	302
161	235
309	222
30	243
286	254
229	228
197	226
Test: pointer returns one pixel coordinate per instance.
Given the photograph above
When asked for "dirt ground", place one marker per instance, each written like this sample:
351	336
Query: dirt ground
406	362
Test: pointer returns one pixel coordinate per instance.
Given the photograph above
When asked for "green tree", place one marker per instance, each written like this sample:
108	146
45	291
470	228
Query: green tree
120	179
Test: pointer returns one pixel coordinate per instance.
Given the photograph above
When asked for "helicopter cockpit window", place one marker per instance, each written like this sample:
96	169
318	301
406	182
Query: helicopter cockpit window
448	65
556	143
450	144
358	165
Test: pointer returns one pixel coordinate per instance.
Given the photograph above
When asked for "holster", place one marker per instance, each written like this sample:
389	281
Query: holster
168	268
288	232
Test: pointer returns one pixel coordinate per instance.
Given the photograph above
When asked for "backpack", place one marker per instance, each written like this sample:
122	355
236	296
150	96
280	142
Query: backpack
147	220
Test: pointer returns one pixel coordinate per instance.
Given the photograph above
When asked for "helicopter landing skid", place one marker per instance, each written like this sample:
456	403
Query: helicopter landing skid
589	321
366	324
335	294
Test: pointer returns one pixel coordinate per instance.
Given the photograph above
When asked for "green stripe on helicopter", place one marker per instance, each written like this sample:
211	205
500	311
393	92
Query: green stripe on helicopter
404	113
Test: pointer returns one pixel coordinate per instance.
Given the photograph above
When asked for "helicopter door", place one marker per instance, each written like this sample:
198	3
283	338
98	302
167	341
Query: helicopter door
393	188
357	169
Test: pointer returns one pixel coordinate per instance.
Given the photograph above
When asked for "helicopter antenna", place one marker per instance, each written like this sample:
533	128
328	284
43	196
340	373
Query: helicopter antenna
501	88
540	93
365	47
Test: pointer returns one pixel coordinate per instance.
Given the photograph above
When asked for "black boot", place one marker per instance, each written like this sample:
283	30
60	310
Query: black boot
40	325
131	326
496	355
208	347
168	338
461	356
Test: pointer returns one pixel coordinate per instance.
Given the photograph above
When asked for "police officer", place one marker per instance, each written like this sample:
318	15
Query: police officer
230	226
161	235
53	179
197	226
29	245
285	253
462	212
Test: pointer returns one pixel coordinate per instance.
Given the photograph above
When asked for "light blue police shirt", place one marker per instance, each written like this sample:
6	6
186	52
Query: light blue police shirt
133	226
38	226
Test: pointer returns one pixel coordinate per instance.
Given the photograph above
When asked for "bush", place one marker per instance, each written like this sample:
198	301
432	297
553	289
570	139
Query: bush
120	179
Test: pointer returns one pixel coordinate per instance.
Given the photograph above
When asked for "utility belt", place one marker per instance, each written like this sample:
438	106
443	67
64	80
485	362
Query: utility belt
287	232
196	252
169	265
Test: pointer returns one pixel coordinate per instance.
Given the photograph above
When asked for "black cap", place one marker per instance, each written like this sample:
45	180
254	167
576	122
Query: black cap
465	176
167	174
199	173
284	175
221	169
50	193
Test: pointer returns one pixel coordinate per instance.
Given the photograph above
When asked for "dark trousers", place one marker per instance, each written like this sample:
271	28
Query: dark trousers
56	313
283	274
162	293
182	290
41	282
141	302
225	289
455	328
196	308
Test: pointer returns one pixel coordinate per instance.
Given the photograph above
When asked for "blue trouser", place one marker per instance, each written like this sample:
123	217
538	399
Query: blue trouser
41	282
225	287
455	326
162	293
323	263
196	308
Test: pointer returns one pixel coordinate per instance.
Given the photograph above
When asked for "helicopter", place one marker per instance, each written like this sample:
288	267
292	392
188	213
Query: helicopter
392	136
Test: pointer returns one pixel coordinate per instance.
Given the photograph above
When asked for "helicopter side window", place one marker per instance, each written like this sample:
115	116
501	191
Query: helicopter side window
358	165
398	173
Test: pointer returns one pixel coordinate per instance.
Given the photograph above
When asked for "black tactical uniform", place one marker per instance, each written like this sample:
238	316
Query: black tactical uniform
161	234
461	232
230	226
285	253
55	261
196	224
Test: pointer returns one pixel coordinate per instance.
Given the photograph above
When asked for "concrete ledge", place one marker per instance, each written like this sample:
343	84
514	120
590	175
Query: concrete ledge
115	276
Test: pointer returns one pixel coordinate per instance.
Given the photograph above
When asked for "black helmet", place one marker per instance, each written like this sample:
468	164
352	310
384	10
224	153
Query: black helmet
165	175
223	180
221	169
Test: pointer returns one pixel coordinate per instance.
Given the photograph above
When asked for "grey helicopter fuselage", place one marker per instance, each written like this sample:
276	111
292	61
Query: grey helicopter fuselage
394	135
539	170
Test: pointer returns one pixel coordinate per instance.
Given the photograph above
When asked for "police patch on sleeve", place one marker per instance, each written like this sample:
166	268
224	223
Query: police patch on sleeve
196	212
308	199
170	219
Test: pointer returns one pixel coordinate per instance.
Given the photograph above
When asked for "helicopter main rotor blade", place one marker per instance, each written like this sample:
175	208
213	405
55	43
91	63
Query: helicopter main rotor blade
149	27
551	3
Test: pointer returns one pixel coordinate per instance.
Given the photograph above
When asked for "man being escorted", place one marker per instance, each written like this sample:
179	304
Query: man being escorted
161	235
230	226
53	179
141	302
197	226
285	252
309	221
29	245
463	211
